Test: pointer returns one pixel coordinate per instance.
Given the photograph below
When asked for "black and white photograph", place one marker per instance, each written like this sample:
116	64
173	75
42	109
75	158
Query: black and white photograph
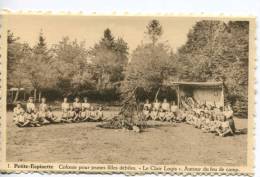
132	90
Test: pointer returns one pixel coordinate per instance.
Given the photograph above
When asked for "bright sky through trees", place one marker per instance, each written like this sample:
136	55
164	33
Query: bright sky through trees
91	28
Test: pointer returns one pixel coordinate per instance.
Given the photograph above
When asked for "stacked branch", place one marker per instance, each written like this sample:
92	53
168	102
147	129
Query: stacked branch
129	116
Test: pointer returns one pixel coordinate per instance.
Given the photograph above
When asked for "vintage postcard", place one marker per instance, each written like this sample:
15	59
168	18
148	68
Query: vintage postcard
127	94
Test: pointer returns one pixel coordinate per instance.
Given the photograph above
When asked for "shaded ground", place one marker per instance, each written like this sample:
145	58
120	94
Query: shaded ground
166	143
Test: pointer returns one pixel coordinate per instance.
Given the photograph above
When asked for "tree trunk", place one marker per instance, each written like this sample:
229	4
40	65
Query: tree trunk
16	95
35	94
12	96
156	95
40	96
99	83
24	96
100	79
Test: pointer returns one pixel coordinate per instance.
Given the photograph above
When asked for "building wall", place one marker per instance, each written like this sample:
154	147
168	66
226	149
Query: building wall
210	95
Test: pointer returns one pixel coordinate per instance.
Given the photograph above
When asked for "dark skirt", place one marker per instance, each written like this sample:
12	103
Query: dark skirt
77	110
232	124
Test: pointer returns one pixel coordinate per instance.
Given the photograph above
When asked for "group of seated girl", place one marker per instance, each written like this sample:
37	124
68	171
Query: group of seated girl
210	118
77	112
31	117
80	112
161	111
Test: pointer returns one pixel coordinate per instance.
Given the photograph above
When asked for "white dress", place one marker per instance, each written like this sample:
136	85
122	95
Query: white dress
148	105
19	115
43	108
77	105
85	106
65	109
166	106
174	108
30	107
156	105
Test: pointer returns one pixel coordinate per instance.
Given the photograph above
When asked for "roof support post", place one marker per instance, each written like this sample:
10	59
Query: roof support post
222	96
178	95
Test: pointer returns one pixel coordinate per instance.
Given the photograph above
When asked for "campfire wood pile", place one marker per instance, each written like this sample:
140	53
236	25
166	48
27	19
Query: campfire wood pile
130	115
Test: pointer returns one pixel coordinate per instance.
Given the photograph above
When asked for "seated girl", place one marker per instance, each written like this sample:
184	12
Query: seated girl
194	120
169	116
202	119
228	113
165	105
51	117
77	107
161	114
156	104
226	130
42	115
71	115
30	106
186	114
147	104
191	117
18	116
31	112
86	104
180	116
174	109
146	113
99	114
65	107
206	125
215	125
197	121
84	113
154	114
218	124
92	114
29	120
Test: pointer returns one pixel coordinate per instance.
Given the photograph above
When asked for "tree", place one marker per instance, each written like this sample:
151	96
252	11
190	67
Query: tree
150	63
236	74
217	51
148	68
154	30
39	68
110	56
17	54
72	68
12	47
108	40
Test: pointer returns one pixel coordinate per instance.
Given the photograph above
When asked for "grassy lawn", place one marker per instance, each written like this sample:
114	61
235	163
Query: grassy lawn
166	143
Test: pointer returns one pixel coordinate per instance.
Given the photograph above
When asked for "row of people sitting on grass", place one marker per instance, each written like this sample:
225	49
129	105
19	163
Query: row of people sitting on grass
77	112
207	117
161	111
210	119
80	112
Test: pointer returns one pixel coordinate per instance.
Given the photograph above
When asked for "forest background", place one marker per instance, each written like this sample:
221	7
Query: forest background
214	51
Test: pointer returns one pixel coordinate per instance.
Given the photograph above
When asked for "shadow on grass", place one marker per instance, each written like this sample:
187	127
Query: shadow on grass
242	131
148	125
160	125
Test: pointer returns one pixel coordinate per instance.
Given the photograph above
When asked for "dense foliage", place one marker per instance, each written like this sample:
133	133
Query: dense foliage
214	51
218	51
67	68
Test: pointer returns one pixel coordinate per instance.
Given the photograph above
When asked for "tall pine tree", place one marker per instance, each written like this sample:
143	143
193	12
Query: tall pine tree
110	56
39	68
